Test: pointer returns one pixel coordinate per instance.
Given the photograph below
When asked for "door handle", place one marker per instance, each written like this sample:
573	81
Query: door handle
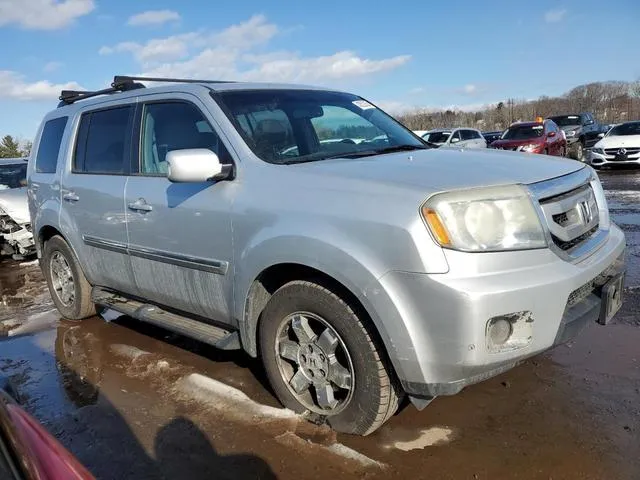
140	205
70	197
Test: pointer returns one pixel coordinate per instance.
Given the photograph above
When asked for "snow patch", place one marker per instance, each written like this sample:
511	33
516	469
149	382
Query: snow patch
127	351
35	323
350	453
229	400
430	437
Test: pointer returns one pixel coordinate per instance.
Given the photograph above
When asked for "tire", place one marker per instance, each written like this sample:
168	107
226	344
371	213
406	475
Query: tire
371	396
579	155
73	300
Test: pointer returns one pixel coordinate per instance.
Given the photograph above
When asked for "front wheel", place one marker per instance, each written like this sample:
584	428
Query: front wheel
580	151
69	288
320	357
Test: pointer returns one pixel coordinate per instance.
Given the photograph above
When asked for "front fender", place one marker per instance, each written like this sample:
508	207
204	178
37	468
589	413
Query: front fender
332	253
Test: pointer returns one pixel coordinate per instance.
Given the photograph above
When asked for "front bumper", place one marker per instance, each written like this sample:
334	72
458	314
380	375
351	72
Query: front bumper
603	160
446	315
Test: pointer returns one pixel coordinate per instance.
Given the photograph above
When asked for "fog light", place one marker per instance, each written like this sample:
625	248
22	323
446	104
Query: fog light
509	332
499	331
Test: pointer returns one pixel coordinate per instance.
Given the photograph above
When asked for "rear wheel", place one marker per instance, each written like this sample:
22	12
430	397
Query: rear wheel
69	288
320	358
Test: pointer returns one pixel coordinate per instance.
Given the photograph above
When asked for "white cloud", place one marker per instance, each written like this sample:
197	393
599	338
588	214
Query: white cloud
416	90
230	54
51	66
43	14
13	86
469	89
555	15
153	17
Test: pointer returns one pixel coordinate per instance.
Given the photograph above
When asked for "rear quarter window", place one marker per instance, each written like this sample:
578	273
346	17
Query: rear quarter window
49	146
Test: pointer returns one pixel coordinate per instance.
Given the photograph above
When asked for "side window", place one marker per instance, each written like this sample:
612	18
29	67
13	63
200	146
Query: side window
477	135
49	146
455	137
467	134
104	142
174	126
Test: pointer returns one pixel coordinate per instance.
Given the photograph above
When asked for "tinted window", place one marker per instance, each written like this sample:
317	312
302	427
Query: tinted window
631	128
437	137
104	141
468	135
174	126
49	147
523	132
566	120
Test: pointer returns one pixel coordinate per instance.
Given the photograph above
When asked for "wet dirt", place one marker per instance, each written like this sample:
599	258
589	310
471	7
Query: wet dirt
134	401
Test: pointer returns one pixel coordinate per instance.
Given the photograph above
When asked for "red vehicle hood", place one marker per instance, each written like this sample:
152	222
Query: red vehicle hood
37	453
518	143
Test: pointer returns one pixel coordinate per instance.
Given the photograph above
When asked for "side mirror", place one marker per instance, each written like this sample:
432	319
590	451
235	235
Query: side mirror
455	140
601	135
551	134
195	165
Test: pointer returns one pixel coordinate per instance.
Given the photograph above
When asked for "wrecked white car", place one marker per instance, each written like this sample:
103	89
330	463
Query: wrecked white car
16	238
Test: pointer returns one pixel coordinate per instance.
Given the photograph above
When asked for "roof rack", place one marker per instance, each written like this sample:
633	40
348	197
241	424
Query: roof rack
67	97
124	79
122	83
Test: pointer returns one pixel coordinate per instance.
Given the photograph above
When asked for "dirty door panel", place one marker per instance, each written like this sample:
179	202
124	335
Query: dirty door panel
180	243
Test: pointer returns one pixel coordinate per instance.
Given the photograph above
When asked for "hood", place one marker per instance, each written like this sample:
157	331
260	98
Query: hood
568	128
14	202
517	143
619	142
436	170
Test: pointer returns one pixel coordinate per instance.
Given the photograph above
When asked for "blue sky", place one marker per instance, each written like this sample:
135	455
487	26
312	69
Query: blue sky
418	54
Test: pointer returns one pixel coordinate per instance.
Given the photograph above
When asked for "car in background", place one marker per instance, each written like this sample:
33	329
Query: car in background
581	130
491	137
455	138
533	137
27	450
619	146
16	238
420	133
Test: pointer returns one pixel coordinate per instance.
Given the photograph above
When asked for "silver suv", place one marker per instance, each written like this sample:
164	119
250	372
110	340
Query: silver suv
309	228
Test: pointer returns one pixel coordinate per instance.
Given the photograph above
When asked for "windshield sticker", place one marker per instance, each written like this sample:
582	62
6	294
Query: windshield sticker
363	104
537	127
572	116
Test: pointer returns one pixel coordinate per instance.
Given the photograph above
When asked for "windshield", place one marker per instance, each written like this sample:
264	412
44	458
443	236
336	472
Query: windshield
632	128
523	132
292	126
13	175
437	137
567	120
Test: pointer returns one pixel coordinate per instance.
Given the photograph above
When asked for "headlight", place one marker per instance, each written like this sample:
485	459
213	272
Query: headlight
485	219
570	133
598	150
532	147
603	209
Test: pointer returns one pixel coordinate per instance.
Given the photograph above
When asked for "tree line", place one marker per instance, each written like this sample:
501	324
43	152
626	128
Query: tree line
610	102
11	147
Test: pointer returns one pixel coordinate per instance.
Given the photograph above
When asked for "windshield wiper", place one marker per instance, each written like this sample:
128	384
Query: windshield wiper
360	154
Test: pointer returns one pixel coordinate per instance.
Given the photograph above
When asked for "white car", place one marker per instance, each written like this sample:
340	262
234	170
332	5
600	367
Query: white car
455	138
619	146
420	133
16	238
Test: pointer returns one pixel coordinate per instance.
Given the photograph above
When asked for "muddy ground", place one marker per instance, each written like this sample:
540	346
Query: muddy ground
133	401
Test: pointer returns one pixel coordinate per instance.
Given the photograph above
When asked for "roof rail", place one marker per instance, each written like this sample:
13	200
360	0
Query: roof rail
124	79
67	97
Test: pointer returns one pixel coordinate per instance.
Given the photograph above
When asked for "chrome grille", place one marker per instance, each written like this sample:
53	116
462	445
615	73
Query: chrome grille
628	151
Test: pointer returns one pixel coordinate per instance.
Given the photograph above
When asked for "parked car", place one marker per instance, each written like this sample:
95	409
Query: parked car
358	275
455	138
27	450
420	133
619	146
16	238
533	137
581	130
491	137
